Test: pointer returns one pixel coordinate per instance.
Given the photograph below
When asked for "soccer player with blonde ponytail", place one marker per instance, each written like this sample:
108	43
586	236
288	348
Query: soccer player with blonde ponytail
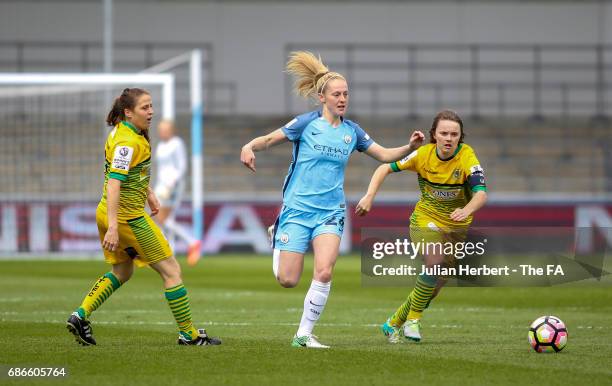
313	193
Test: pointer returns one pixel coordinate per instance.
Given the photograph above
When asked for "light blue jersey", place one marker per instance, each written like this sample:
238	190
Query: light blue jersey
315	181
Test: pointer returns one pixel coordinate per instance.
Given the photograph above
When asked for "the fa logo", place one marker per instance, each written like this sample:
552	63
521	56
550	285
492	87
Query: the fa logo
123	151
284	238
347	139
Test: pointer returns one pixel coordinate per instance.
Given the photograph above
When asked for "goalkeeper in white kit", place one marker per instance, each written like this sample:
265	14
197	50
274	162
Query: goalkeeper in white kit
171	162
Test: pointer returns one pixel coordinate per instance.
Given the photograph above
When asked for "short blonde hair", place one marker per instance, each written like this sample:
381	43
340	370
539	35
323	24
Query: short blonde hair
311	74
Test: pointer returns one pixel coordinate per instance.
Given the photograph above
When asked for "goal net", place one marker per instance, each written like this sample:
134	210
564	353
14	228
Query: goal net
51	156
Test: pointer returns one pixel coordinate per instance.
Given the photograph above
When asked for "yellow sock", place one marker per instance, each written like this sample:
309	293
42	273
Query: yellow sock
101	290
179	304
399	317
420	295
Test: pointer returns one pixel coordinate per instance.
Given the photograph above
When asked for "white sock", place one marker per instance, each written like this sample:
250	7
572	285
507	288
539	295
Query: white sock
179	231
275	262
314	303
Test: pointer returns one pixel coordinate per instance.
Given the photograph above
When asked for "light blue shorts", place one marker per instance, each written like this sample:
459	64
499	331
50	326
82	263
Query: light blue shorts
294	229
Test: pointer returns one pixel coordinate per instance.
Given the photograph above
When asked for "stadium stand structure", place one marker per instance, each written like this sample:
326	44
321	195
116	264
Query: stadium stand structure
517	156
43	156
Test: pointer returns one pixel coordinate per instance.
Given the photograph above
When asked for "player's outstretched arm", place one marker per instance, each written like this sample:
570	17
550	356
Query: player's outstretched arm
383	154
247	155
365	204
479	199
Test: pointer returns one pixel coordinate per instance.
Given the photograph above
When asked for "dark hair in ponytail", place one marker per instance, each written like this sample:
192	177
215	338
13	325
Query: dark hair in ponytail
127	100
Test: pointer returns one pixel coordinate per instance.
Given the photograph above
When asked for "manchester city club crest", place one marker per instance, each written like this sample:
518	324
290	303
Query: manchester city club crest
347	139
284	238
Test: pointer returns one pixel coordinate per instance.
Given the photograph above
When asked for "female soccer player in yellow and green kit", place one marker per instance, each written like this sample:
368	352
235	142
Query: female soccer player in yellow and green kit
452	186
127	233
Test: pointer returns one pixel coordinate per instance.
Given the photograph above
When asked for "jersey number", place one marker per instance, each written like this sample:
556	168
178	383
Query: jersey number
340	223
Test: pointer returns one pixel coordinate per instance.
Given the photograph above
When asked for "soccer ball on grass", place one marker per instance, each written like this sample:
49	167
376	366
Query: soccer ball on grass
547	334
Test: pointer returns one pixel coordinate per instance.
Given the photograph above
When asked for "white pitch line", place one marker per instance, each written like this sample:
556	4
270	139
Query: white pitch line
161	311
283	324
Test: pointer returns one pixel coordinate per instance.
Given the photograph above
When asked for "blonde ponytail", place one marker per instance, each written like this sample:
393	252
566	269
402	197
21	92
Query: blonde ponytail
310	73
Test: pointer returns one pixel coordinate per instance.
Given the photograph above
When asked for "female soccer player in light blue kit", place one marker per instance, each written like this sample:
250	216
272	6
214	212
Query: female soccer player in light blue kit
313	193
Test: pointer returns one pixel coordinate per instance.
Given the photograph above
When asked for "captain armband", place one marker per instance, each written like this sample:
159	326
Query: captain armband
476	179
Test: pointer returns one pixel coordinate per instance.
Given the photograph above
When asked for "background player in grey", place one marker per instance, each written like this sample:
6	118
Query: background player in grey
171	164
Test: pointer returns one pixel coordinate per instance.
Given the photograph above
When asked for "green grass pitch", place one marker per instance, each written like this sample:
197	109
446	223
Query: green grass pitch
471	335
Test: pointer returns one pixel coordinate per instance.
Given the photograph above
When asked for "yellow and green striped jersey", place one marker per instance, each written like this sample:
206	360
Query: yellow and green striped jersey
445	184
128	159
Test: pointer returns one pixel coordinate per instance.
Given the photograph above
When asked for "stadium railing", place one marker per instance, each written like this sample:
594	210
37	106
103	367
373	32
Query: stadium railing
494	80
87	57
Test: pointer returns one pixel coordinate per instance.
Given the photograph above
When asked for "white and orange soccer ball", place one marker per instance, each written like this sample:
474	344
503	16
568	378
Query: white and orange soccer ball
547	334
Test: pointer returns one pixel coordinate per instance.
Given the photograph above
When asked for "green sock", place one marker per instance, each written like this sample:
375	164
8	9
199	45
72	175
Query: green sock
179	304
102	289
421	295
400	315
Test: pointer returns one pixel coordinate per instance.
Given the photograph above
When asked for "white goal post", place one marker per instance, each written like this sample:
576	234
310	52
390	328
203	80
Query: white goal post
166	81
52	128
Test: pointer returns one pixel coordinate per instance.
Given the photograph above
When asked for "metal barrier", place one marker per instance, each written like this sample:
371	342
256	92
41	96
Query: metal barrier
537	80
21	56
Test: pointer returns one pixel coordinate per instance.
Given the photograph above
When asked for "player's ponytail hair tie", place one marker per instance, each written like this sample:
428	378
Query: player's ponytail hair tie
319	76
